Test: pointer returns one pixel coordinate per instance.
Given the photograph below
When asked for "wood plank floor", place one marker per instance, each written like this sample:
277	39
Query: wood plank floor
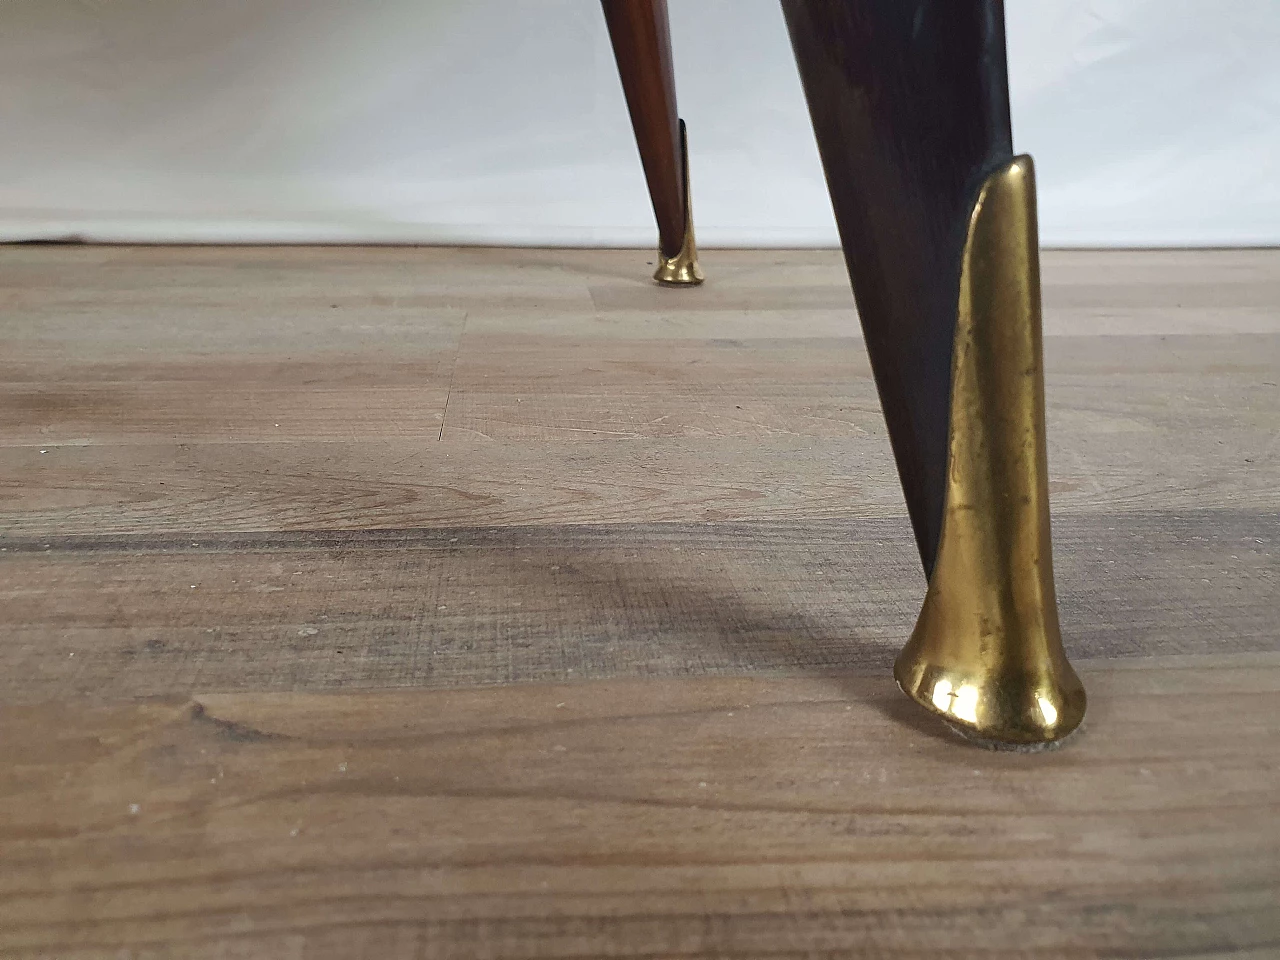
498	603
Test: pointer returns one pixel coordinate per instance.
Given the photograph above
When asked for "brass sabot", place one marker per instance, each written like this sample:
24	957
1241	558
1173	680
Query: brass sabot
986	653
682	269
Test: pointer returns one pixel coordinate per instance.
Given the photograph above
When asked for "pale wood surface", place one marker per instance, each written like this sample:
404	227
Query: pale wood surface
156	615
690	818
242	491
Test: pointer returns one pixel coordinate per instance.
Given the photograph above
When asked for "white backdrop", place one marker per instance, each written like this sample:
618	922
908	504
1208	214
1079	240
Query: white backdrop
1153	122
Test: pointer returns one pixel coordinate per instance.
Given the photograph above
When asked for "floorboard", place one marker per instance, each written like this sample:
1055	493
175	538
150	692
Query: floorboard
692	818
436	603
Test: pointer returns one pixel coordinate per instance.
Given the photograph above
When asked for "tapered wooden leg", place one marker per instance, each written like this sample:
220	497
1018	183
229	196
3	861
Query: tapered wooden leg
641	37
910	105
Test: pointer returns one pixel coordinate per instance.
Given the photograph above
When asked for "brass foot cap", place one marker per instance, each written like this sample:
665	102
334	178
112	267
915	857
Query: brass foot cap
680	270
1013	712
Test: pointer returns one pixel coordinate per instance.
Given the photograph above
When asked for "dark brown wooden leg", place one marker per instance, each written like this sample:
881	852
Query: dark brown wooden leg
641	37
910	104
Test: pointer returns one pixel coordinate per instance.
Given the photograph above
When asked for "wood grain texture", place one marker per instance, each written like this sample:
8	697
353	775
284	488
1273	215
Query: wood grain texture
686	818
100	303
217	401
1100	462
516	468
550	387
147	615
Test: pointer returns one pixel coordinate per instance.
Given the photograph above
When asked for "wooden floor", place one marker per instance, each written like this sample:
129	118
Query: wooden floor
497	603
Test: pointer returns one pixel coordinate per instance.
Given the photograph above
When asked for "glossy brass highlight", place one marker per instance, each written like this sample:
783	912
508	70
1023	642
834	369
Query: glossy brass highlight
682	269
986	653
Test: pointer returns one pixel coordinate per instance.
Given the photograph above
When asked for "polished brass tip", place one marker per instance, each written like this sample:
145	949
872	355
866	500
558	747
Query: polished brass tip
682	269
986	653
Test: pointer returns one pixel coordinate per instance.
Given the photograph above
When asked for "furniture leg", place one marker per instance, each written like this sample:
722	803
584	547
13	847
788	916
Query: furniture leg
910	105
640	33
